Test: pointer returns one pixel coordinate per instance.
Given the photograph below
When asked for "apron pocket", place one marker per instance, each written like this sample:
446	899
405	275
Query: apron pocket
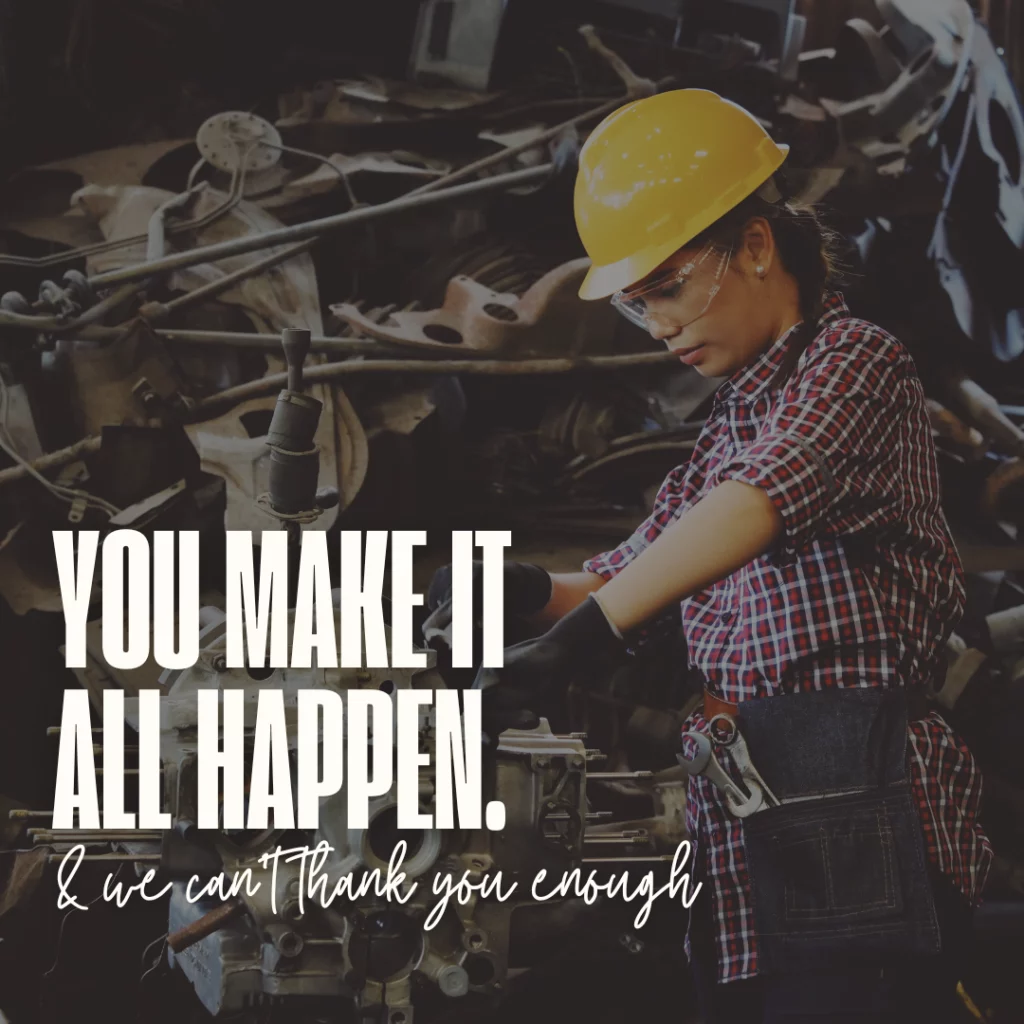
839	876
837	866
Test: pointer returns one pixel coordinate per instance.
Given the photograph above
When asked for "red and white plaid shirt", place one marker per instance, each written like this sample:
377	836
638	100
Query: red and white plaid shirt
863	589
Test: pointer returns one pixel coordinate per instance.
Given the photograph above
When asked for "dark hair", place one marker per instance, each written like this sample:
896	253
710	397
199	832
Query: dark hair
807	248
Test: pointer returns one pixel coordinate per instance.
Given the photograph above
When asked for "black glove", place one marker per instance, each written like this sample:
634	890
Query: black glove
527	588
537	670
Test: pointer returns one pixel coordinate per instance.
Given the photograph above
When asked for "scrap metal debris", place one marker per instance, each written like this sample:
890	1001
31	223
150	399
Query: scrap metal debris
421	231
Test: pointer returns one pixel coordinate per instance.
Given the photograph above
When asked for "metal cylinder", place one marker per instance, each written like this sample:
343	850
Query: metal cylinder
295	341
294	422
293	478
453	981
287	941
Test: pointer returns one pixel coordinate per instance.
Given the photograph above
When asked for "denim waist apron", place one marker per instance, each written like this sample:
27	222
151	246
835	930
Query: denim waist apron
838	869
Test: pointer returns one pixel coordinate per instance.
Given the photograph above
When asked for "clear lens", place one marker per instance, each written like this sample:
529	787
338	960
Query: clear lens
679	295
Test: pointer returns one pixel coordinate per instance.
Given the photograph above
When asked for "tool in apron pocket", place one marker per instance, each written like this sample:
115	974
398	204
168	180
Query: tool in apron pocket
742	800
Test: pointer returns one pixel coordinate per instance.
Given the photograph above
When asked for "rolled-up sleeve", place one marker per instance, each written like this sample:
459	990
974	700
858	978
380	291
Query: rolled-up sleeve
829	455
668	506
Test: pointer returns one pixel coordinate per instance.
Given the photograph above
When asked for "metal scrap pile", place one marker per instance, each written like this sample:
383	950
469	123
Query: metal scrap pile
423	233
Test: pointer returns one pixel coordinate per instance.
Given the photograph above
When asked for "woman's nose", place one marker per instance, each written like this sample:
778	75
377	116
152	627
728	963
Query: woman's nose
661	330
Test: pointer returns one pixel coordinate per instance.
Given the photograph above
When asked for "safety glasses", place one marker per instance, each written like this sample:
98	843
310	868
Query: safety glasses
678	295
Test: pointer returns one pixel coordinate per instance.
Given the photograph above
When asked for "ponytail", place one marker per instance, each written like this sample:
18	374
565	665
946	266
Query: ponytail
807	248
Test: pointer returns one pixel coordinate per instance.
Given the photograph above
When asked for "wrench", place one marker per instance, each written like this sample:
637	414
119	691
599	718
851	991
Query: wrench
723	727
704	762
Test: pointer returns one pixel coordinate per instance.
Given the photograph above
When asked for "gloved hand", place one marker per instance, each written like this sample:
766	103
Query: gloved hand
527	588
536	670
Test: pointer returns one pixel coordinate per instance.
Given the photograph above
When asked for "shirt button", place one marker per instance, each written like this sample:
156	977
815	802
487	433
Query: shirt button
728	617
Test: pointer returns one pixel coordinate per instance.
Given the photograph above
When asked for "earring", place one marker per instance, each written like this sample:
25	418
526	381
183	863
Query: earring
760	270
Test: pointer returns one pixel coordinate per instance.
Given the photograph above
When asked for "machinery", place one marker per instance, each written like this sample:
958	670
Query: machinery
271	941
411	242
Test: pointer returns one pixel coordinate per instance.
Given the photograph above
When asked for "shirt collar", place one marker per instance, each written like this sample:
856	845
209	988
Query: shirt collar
754	378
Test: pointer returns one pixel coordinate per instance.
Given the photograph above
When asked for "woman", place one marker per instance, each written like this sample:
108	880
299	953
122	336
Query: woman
817	579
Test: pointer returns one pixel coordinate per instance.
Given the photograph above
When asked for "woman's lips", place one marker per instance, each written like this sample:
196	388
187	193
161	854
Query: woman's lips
692	355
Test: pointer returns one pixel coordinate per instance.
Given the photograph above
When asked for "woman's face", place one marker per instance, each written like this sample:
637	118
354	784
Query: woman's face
743	316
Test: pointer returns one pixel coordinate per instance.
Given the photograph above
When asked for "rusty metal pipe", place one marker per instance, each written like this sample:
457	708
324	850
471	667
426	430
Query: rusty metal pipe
493	367
261	342
500	157
93	840
629	776
46	836
110	858
626	859
614	840
53	460
321	226
272	343
209	923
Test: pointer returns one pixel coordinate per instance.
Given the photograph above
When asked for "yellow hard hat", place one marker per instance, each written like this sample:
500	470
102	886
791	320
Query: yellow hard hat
658	171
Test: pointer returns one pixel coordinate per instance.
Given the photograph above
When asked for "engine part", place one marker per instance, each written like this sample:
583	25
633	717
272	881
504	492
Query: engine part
131	380
274	293
239	139
294	458
364	949
233	446
549	318
314	228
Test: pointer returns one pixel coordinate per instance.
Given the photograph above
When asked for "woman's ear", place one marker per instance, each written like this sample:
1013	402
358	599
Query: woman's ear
757	248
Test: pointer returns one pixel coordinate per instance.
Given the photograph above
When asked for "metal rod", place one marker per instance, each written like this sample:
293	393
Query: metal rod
663	859
608	776
206	925
111	858
99	839
208	407
272	342
626	838
635	85
54	730
158	310
500	157
589	816
93	835
617	840
20	814
53	460
314	228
